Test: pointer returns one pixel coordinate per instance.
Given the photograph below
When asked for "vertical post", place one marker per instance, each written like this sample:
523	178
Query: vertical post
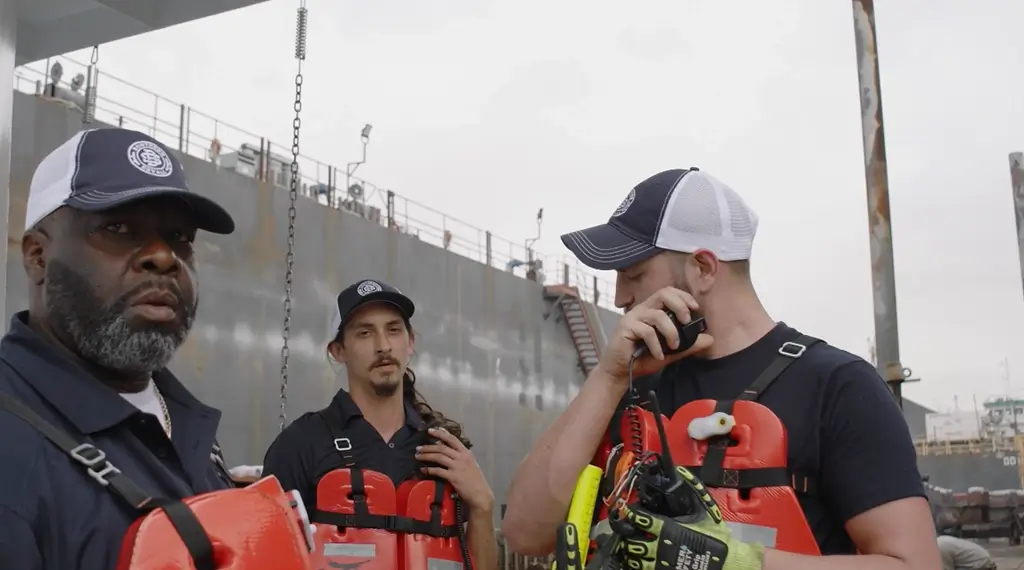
181	129
391	209
262	166
883	278
565	274
8	33
330	186
1017	179
188	128
597	292
488	254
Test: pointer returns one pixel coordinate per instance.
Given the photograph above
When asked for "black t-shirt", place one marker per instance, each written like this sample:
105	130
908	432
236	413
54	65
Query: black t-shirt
845	429
309	447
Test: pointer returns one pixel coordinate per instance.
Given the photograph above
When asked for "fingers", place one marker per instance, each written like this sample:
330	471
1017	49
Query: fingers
438	449
676	300
706	501
436	458
567	548
644	324
642	520
449	439
440	472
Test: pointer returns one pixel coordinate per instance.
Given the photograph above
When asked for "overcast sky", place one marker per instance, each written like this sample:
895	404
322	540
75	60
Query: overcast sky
489	110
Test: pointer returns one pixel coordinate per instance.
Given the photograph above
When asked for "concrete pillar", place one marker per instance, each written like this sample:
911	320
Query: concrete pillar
8	29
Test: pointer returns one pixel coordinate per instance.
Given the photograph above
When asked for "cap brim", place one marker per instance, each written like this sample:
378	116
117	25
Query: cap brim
606	248
209	215
400	301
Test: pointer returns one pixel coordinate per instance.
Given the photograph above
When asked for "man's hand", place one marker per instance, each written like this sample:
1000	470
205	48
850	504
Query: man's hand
641	324
457	465
700	540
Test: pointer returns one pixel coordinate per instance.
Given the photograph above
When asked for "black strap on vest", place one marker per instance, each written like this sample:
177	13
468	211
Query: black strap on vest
333	419
713	474
191	531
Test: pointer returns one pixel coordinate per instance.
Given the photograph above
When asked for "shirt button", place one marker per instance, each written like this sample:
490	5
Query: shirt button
391	445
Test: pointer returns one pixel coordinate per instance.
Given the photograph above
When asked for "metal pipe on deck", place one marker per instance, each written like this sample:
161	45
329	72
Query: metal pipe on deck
1017	181
883	278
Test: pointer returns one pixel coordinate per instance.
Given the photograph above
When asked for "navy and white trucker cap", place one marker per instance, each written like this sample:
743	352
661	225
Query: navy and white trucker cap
100	169
676	210
368	291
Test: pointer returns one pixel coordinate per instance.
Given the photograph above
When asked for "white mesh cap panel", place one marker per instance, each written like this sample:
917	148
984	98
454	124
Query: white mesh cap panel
335	322
51	183
704	213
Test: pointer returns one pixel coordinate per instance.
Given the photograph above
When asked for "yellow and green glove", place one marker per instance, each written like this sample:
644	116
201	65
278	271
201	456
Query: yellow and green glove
700	540
643	540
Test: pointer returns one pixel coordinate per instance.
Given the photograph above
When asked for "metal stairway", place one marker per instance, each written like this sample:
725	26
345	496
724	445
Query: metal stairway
573	309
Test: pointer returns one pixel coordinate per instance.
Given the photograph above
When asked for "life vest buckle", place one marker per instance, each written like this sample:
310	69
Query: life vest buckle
792	349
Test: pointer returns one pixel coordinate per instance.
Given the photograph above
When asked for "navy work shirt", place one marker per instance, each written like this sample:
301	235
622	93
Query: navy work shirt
846	432
305	451
53	515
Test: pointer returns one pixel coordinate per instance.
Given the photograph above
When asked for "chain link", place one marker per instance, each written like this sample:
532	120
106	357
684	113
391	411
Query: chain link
293	194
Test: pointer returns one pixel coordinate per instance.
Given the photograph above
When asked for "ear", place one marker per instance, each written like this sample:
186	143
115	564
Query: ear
707	268
33	255
337	351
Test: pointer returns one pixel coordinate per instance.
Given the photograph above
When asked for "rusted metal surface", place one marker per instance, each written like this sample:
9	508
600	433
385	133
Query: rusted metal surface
8	32
883	276
1017	179
485	356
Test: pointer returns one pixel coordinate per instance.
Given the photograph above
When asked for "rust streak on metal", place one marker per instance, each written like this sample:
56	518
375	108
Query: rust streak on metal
1017	179
879	213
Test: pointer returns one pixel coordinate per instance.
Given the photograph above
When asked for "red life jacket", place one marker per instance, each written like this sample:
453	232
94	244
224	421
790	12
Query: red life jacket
364	523
746	471
259	526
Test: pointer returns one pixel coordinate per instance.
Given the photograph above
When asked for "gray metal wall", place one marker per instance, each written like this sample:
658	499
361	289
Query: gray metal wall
962	471
486	356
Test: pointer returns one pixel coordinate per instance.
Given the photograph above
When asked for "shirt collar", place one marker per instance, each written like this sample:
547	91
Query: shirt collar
76	394
350	410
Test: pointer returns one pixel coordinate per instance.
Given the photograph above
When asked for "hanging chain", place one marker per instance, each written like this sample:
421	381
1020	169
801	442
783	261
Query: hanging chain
293	194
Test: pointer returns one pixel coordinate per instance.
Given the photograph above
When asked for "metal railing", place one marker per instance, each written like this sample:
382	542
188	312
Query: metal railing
202	136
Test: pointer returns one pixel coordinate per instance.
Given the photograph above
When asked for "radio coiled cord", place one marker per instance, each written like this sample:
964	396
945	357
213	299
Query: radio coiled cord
635	427
460	520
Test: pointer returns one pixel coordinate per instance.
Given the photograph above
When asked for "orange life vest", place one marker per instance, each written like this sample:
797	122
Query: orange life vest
364	523
259	526
746	470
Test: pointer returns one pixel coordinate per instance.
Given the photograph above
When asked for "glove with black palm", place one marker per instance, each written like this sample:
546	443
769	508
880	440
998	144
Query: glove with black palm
700	540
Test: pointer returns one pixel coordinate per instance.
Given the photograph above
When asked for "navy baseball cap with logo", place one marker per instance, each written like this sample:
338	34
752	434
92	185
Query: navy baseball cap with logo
681	210
368	291
100	169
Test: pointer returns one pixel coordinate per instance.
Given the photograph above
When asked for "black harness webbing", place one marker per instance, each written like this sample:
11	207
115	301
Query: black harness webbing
713	474
191	531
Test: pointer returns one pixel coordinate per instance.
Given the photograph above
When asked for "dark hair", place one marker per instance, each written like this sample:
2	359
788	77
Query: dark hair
431	417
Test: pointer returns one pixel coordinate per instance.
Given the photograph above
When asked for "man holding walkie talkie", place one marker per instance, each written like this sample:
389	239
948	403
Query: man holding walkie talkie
681	243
